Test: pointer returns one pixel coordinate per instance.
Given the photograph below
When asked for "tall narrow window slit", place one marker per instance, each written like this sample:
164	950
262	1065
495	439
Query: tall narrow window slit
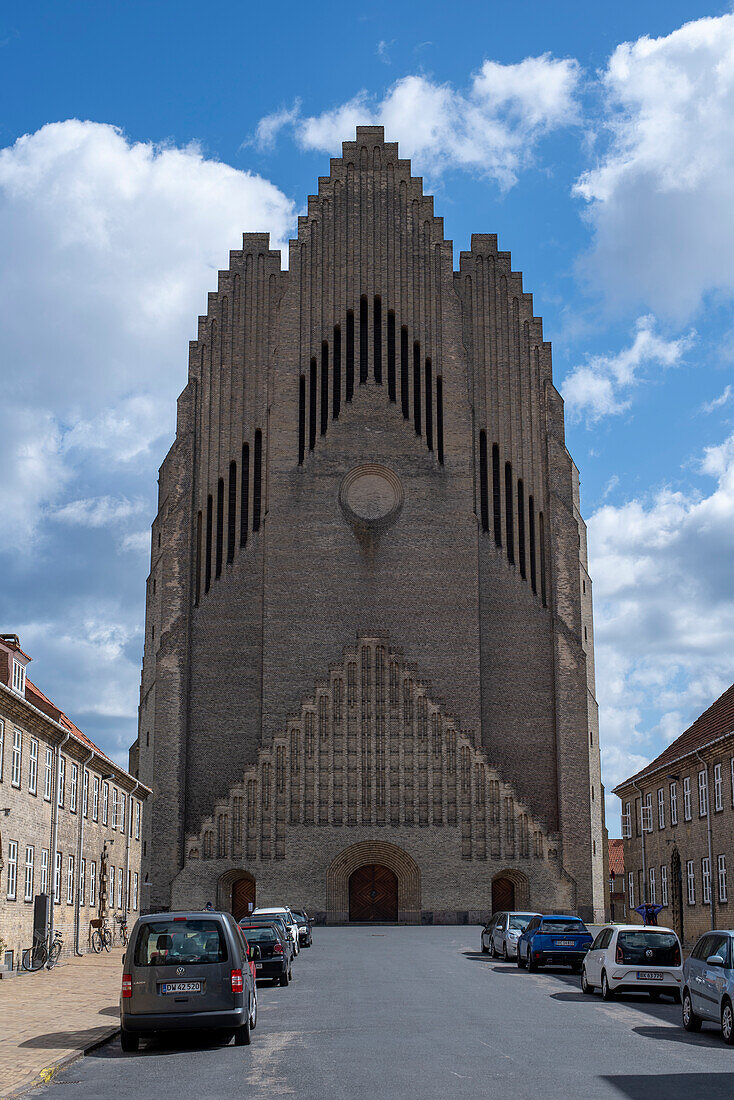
377	340
531	533
337	373
324	387
429	405
349	392
496	495
198	557
220	525
391	355
521	526
439	417
245	493
509	516
404	372
208	555
363	341
483	499
257	473
231	511
541	537
312	405
417	387
301	418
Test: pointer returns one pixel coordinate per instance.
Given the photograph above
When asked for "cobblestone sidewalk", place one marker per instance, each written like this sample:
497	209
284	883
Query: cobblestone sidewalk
49	1018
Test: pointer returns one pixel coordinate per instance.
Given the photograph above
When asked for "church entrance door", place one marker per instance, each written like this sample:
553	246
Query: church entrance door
503	895
243	897
373	893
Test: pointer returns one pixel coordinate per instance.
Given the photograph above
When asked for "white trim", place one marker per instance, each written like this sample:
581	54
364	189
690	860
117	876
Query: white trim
12	881
29	872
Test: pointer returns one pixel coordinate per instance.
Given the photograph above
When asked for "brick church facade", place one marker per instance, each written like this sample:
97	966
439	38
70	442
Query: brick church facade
368	678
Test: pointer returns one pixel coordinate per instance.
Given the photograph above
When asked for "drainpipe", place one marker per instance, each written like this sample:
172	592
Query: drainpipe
712	882
643	899
55	835
80	853
129	830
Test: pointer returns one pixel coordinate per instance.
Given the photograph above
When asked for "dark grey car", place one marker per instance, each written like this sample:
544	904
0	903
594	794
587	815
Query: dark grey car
184	971
708	984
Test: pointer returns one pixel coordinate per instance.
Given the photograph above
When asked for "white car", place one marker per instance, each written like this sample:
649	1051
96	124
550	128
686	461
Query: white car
285	914
500	936
635	959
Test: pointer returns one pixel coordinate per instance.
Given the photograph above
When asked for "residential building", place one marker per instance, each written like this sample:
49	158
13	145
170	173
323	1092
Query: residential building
617	894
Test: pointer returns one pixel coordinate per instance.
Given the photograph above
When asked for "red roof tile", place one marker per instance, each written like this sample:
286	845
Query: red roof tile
715	722
616	856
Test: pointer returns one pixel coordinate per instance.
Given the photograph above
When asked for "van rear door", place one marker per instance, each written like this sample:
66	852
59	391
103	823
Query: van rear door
182	964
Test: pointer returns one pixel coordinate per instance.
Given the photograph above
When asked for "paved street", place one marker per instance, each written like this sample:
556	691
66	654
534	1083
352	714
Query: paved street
420	1013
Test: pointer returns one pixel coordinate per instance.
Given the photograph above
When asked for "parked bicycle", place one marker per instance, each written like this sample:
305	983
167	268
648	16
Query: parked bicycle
122	921
101	936
45	951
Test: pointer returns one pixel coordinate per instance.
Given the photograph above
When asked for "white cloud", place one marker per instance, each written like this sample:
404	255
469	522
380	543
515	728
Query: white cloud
718	402
383	50
601	386
659	197
270	126
98	512
491	128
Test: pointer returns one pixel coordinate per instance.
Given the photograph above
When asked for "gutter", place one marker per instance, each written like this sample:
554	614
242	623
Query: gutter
712	882
129	831
80	852
55	836
643	899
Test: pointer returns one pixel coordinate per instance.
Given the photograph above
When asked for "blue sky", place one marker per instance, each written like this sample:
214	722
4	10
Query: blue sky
137	142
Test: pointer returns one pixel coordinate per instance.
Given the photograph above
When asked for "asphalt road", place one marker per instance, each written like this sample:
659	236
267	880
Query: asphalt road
421	1013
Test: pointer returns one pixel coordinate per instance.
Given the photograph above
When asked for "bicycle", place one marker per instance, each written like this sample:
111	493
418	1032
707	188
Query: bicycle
101	936
122	921
44	952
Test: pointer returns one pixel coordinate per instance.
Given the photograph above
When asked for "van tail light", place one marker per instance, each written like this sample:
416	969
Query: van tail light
277	948
237	983
619	954
676	955
127	985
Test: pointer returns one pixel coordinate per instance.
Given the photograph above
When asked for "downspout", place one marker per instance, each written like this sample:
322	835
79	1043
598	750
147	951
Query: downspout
129	831
55	835
712	904
80	853
643	899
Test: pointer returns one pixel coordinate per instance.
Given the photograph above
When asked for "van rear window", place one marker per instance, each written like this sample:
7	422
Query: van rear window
173	942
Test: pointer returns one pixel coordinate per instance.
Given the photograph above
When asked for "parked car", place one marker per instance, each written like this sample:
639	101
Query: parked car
290	921
183	971
633	959
303	921
553	940
708	984
500	936
275	959
280	925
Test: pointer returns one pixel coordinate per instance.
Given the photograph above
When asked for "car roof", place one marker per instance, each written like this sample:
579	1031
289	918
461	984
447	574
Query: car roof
272	909
558	916
188	914
641	928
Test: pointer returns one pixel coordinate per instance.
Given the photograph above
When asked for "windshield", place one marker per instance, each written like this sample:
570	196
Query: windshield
563	925
259	935
172	942
520	921
648	946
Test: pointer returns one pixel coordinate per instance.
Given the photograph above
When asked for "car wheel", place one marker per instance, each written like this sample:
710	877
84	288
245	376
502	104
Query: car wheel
727	1023
520	959
586	986
128	1042
485	949
242	1037
492	952
606	993
691	1022
505	954
284	978
532	965
253	1016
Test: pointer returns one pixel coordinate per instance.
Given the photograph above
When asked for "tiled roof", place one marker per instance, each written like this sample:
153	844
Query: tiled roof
715	722
616	856
37	699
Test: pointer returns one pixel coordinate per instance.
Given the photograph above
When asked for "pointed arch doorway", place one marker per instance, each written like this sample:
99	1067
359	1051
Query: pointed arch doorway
236	893
373	893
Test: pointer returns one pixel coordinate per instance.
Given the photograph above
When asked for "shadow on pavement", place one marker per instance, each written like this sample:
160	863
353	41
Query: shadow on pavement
61	1040
680	1035
670	1086
113	1010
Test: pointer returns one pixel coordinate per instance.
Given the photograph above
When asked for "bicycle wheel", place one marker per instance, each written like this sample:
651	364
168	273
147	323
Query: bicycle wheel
96	941
35	957
106	939
54	953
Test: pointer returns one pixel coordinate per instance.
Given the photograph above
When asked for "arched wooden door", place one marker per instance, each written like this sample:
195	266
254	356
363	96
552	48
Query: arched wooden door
373	893
503	895
243	897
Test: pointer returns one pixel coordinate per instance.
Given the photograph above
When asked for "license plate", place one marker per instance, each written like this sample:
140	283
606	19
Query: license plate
565	943
181	987
258	966
649	976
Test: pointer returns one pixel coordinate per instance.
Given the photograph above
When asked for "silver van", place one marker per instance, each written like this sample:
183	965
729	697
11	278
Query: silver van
183	971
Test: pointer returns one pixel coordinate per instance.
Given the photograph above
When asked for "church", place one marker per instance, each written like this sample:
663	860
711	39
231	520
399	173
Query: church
368	674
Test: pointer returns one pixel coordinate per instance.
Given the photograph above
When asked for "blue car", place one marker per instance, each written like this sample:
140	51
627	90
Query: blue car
553	941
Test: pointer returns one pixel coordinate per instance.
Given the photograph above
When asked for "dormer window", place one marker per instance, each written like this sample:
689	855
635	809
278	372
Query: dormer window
18	677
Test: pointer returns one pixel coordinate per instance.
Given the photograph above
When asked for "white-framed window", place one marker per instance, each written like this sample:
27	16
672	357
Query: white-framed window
2	750
17	758
653	891
647	813
62	779
627	821
18	677
127	889
44	870
687	798
114	807
631	889
703	793
673	803
721	867
137	820
48	781
691	882
120	880
33	767
135	890
85	793
105	801
92	884
663	885
57	878
718	788
110	886
82	880
70	881
12	869
661	808
706	879
74	783
95	798
121	806
29	861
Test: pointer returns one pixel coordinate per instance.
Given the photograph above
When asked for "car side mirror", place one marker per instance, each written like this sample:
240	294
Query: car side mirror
123	957
254	951
715	960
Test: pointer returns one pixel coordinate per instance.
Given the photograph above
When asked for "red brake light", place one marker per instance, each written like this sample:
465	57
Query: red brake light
277	948
676	956
237	983
619	956
127	985
175	919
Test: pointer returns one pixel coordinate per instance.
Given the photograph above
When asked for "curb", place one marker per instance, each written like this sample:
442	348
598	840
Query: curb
45	1076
